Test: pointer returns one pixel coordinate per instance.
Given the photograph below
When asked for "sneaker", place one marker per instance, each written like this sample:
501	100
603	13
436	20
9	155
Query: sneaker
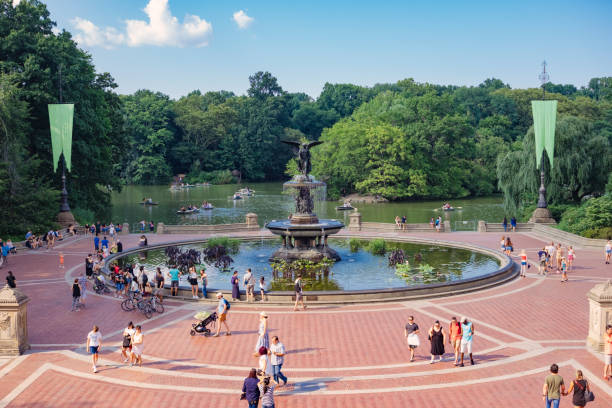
431	362
95	369
461	365
472	361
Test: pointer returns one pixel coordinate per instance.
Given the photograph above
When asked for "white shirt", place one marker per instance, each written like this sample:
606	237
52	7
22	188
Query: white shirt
94	338
265	361
248	279
277	348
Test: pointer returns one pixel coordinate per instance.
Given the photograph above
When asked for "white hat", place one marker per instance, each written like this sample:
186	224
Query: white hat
463	319
263	314
219	294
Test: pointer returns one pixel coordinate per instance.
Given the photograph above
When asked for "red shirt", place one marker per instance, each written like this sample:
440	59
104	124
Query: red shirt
455	330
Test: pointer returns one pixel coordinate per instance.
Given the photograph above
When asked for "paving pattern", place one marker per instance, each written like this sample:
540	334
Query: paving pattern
338	356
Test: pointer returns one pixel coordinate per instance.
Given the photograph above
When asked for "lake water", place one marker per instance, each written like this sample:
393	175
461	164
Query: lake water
356	271
270	203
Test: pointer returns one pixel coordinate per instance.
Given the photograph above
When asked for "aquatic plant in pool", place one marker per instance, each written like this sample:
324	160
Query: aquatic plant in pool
360	270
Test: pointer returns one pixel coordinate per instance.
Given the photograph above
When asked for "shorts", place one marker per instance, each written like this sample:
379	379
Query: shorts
93	349
222	317
298	295
250	289
193	281
608	358
174	284
455	341
570	257
159	284
543	262
523	263
466	346
119	286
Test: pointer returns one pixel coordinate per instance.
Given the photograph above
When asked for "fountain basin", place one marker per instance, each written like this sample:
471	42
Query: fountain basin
305	240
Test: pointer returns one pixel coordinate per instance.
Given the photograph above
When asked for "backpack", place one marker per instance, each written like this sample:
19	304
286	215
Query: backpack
227	305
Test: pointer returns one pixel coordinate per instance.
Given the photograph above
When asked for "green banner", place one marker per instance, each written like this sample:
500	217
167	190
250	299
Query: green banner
60	121
544	120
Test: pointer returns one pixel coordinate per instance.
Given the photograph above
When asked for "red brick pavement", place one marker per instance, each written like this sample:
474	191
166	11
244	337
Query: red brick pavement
340	356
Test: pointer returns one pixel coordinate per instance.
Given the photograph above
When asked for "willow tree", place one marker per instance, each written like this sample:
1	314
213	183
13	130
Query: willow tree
582	164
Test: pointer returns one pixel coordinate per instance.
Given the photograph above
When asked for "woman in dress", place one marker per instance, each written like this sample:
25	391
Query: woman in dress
571	255
126	346
437	336
579	386
137	346
235	287
193	281
262	339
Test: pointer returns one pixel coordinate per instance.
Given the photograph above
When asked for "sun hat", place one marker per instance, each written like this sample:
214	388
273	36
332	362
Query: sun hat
219	294
463	319
263	314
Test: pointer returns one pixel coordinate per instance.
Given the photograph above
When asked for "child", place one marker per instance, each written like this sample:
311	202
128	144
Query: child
523	263
563	270
262	289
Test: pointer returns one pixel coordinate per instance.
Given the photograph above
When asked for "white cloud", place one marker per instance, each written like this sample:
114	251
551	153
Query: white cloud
91	35
243	21
164	29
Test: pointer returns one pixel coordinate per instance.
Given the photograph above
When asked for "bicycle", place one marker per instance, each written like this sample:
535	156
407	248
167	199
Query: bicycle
131	301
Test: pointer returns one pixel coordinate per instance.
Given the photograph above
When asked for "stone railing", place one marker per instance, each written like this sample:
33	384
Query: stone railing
386	226
484	226
553	234
202	229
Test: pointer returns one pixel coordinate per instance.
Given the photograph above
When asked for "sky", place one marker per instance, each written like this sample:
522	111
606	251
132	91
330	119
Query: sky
176	46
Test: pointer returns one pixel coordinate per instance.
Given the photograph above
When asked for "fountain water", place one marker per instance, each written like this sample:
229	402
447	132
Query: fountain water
304	235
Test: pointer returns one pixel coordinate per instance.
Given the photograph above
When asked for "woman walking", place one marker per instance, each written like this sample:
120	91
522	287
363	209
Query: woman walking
137	346
76	294
83	287
94	342
159	284
571	255
235	287
437	336
262	333
250	389
580	387
126	346
204	278
455	337
262	289
509	247
193	281
266	390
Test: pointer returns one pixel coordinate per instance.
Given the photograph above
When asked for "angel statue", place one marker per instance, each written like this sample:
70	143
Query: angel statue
303	154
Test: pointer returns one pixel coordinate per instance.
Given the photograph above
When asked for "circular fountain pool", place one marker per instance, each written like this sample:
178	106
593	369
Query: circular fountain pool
359	270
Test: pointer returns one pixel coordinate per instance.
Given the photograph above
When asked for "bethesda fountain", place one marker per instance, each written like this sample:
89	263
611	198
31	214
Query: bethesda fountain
304	235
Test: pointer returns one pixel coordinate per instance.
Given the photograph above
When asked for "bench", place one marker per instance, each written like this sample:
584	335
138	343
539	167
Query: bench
389	227
200	229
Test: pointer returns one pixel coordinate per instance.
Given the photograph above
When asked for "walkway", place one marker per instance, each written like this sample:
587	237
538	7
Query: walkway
339	356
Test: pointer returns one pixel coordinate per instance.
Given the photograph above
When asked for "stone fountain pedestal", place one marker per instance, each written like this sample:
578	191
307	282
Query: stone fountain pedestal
13	322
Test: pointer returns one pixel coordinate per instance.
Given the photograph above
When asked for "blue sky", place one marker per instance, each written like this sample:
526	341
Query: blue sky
305	44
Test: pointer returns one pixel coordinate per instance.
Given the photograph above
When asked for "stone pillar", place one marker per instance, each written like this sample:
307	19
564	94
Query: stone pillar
447	226
354	221
13	322
251	221
600	314
161	228
482	226
125	228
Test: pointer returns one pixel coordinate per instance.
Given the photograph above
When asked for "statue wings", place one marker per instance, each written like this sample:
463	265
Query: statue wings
297	145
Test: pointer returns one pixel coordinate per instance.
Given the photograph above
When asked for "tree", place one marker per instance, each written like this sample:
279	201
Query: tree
263	85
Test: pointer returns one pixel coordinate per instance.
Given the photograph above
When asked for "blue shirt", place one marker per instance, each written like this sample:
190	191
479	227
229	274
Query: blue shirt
174	274
28	235
5	250
96	241
466	331
251	389
222	303
105	243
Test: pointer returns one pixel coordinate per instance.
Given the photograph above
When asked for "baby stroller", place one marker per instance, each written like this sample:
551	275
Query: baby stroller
205	319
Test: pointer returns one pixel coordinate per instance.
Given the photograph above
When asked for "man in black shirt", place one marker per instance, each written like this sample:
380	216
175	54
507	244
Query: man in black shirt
10	280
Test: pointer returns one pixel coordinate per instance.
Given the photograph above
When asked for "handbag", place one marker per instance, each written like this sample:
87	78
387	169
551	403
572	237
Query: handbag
589	396
243	396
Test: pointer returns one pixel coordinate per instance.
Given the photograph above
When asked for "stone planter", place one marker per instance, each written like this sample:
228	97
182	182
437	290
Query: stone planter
13	322
600	314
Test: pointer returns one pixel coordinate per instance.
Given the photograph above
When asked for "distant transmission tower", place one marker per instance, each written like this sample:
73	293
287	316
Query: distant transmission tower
544	77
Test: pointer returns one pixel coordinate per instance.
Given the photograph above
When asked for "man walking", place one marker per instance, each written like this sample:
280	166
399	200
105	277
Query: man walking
299	298
410	332
173	274
608	352
467	333
277	358
249	283
10	280
97	243
553	388
222	310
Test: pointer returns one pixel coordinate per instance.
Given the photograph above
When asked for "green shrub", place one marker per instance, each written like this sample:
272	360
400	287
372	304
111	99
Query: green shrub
377	246
355	244
600	233
83	216
593	217
232	245
213	177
